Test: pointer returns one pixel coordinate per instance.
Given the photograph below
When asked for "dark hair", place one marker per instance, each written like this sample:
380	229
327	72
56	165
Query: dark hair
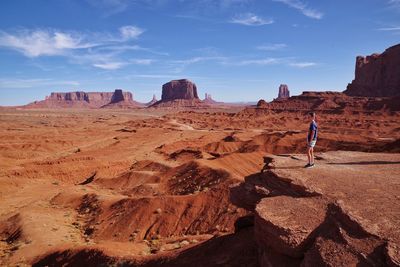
312	114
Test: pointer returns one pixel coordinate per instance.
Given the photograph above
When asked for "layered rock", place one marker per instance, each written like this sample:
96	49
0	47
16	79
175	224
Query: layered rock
377	75
179	93
331	102
80	99
283	92
179	89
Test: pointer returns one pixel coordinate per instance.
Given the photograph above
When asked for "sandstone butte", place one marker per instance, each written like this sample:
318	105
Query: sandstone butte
179	93
80	99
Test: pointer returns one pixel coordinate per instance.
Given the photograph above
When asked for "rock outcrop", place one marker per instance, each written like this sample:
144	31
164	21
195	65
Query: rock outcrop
153	101
179	93
80	99
209	100
331	102
179	89
283	92
377	75
302	220
262	103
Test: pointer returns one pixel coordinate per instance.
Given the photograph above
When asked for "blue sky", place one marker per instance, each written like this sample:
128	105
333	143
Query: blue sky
236	50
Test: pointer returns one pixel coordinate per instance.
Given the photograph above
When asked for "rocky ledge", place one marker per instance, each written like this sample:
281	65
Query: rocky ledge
343	212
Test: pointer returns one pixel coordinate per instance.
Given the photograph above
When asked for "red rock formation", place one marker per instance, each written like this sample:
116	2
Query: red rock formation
377	75
82	99
208	99
331	102
262	103
153	101
179	93
283	92
179	89
119	96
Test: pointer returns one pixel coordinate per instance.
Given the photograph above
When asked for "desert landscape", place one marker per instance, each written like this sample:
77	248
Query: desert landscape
99	179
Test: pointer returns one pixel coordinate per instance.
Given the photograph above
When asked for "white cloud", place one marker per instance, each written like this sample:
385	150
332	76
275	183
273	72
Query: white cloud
250	19
271	47
99	50
130	32
42	42
143	61
30	83
303	8
196	60
51	42
302	64
111	6
109	65
261	62
389	29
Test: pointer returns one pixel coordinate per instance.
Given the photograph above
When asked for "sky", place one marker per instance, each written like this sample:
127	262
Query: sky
235	50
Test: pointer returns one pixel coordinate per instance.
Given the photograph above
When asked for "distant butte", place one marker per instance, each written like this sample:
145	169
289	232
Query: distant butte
153	101
80	99
284	92
179	93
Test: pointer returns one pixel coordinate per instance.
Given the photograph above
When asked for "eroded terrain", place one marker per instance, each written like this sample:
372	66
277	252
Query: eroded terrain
165	188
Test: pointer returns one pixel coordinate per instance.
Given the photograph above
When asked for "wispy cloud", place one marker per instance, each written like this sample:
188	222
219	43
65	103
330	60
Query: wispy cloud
142	61
262	62
271	47
302	64
130	32
196	60
283	61
250	19
31	83
303	8
51	42
109	65
99	50
43	42
389	29
394	4
111	7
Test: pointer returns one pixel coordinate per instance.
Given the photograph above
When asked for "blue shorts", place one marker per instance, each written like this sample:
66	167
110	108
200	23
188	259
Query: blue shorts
312	143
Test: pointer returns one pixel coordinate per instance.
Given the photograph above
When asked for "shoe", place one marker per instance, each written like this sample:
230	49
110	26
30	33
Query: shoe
309	165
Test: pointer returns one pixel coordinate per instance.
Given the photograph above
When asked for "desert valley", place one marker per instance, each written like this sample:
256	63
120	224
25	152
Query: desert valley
99	179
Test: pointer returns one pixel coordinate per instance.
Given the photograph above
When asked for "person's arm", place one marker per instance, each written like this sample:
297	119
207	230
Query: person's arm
312	132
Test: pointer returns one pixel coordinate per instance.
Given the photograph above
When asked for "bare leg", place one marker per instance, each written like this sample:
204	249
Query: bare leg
309	154
311	159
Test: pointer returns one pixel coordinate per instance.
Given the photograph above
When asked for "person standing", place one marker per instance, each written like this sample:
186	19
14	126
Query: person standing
311	140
